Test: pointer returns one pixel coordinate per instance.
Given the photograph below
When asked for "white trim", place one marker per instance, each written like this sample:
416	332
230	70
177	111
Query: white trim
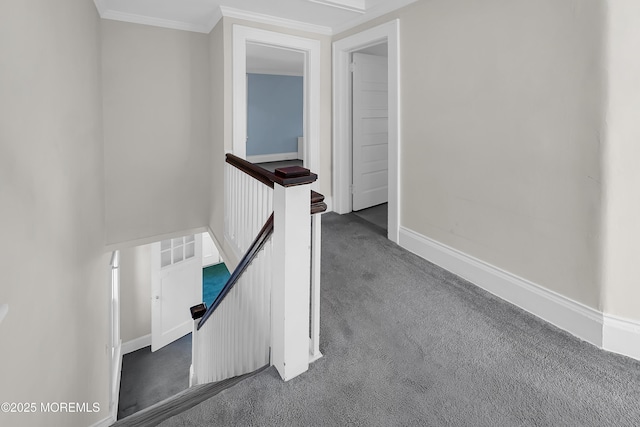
273	72
155	22
311	121
105	422
99	6
329	202
621	336
136	344
115	391
277	157
606	331
574	317
342	49
313	356
376	12
301	147
221	250
154	239
352	6
215	18
274	20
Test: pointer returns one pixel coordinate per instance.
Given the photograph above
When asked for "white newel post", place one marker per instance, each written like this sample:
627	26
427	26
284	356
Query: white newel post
291	280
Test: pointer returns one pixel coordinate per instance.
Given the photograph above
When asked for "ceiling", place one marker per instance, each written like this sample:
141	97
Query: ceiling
318	16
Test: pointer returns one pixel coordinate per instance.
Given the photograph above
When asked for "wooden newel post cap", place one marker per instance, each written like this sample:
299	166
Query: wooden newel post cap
292	172
197	311
293	175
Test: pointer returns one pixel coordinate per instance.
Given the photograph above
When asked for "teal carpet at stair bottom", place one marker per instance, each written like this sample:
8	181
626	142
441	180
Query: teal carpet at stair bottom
213	279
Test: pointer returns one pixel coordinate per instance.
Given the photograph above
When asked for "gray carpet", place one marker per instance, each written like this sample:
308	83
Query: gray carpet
407	343
155	414
148	378
376	215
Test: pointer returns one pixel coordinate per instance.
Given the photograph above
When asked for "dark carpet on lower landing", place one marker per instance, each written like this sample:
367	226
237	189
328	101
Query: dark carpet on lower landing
407	343
148	378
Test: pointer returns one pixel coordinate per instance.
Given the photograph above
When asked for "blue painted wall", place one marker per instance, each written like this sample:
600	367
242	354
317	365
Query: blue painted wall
274	113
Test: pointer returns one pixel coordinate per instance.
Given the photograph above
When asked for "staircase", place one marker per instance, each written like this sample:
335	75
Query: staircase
181	402
268	312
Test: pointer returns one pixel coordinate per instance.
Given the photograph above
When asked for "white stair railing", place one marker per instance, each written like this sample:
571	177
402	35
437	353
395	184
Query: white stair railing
248	204
236	339
263	314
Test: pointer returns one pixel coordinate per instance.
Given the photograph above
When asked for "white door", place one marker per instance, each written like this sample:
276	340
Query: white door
176	285
210	254
370	131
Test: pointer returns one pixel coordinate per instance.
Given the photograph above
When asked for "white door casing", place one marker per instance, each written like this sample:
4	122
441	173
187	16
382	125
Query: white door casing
370	131
311	103
342	159
176	285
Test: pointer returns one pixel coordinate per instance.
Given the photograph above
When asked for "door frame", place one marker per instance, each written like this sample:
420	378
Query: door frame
342	126
310	48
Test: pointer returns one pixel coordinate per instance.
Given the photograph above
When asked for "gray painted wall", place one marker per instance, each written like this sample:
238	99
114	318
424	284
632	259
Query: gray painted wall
54	269
502	107
157	130
274	113
621	160
135	292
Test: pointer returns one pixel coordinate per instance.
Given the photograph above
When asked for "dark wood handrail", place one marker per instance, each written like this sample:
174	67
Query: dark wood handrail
286	177
317	203
255	247
261	174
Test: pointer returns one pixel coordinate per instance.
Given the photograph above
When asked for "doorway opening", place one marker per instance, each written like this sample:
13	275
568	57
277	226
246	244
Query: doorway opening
258	50
346	173
369	134
275	106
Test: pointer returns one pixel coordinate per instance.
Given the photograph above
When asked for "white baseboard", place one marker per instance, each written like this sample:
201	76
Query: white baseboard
278	157
578	319
603	330
136	344
621	336
106	422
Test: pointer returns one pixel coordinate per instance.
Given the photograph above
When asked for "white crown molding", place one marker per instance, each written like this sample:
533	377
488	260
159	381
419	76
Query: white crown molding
154	22
99	7
215	18
231	12
352	6
371	14
274	20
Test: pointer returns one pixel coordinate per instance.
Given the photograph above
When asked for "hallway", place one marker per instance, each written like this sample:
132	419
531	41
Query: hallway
408	343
